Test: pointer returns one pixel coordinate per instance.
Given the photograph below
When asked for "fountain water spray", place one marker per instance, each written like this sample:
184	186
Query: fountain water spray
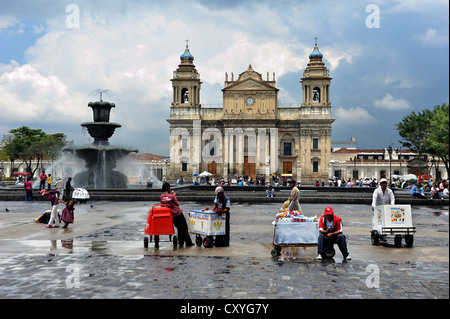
100	157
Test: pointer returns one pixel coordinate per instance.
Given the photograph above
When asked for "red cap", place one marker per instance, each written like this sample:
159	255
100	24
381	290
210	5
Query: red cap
329	211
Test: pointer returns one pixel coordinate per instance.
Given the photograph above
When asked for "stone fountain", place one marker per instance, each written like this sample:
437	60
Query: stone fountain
100	157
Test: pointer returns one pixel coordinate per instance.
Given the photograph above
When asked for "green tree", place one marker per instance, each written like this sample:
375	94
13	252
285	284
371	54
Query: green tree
427	132
28	144
438	138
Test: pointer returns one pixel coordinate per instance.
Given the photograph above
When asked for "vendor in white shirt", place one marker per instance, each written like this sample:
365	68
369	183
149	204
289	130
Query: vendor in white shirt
383	195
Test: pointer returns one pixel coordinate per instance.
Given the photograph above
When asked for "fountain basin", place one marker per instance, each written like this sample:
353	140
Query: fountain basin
101	131
101	110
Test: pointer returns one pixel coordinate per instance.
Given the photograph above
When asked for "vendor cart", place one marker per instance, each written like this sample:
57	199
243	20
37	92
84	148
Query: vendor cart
80	195
206	223
296	234
392	220
159	222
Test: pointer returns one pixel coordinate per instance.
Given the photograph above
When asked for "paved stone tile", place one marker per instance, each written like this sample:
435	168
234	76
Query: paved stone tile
104	260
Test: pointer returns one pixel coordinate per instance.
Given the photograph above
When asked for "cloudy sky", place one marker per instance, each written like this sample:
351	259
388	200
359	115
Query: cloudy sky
387	59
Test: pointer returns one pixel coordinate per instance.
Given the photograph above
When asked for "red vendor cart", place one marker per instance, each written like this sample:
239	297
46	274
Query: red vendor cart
159	222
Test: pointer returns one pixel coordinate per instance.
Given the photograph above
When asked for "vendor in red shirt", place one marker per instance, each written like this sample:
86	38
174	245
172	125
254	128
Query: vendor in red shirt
330	228
168	197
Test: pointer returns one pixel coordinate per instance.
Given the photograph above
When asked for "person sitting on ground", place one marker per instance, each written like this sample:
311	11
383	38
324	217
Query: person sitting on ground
415	192
434	192
330	228
270	192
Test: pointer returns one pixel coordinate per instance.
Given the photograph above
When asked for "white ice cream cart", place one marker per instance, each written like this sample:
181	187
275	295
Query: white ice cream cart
392	220
206	223
80	195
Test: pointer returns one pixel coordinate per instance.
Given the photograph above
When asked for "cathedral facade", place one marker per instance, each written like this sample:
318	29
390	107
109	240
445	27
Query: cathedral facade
251	134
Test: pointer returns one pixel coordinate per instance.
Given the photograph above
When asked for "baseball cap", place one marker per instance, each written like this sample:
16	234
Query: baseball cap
383	180
218	190
43	192
329	211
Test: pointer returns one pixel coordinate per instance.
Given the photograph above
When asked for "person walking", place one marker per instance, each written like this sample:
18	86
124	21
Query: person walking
67	215
68	189
294	197
168	197
59	185
53	197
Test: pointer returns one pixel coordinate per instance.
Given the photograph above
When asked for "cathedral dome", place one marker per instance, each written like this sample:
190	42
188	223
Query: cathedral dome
316	53
186	56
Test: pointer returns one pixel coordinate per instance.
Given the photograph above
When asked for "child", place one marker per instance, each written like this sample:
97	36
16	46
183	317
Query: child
53	197
67	213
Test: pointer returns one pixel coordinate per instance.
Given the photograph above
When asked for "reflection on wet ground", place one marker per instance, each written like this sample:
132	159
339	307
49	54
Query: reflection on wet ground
105	246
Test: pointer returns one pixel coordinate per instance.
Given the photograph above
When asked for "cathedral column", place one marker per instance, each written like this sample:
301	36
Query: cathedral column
226	153
273	150
197	146
261	151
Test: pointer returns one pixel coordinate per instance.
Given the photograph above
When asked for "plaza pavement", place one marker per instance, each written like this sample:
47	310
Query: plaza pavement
101	256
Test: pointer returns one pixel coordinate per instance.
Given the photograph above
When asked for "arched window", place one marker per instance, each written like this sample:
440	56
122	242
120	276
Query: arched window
316	95
184	96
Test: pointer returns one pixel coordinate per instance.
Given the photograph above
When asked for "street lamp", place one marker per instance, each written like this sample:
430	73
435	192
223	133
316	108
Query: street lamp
390	157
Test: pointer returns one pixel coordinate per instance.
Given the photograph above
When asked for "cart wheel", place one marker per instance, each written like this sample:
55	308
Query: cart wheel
375	238
276	251
330	252
198	240
175	241
145	242
409	240
207	242
398	241
156	241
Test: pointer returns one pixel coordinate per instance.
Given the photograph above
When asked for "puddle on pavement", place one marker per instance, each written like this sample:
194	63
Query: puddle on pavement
439	213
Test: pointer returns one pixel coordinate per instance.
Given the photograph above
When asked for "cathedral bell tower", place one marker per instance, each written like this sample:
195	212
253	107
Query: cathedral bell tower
315	120
316	82
186	82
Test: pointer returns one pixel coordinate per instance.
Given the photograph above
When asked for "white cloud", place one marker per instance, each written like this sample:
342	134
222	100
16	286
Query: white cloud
266	57
7	21
354	115
400	81
132	48
432	37
421	6
388	102
30	96
336	54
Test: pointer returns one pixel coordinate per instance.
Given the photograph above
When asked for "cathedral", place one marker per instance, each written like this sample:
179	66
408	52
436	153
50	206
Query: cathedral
251	134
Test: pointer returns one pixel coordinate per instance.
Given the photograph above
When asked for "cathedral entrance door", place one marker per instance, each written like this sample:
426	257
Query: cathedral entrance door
212	168
287	167
249	168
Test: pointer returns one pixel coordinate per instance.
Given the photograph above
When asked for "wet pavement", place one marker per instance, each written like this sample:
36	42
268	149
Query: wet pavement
102	256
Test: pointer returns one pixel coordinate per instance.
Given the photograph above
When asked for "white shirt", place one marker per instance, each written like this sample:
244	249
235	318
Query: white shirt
379	198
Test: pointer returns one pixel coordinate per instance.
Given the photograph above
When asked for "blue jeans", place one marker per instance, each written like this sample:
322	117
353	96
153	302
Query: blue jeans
338	239
419	195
